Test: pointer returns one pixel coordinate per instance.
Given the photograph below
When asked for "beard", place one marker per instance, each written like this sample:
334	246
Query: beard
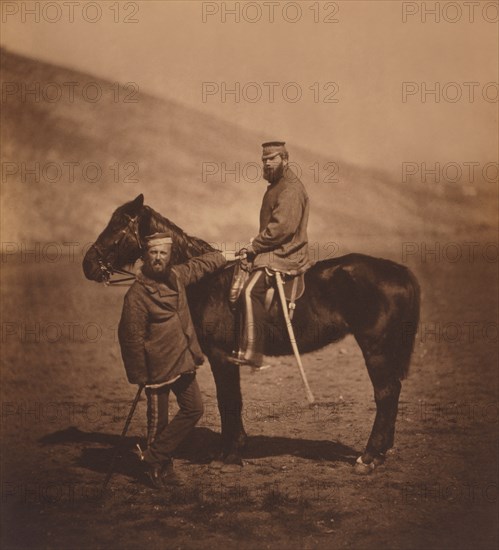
156	270
273	174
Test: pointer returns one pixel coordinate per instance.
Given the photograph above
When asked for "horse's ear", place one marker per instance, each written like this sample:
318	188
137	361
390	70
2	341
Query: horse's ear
137	203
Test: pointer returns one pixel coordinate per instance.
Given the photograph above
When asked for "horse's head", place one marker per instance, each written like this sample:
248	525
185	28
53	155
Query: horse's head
118	245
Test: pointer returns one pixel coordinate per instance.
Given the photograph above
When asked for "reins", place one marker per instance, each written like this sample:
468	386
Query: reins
121	282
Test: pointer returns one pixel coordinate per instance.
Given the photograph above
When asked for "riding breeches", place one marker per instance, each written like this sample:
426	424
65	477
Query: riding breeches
255	317
164	437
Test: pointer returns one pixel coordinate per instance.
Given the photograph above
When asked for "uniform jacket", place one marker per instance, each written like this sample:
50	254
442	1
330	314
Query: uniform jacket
156	334
282	242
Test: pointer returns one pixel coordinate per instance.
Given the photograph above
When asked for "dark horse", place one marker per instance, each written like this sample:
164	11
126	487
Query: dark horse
376	300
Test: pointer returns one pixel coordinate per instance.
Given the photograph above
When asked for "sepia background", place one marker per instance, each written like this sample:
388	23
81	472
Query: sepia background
390	114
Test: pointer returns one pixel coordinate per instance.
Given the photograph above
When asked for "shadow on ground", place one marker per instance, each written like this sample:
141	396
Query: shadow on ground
201	448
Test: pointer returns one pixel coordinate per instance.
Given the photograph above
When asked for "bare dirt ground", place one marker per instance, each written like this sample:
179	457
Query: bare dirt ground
65	399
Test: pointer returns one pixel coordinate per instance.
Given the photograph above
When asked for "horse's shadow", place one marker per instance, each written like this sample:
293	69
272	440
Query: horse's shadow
200	448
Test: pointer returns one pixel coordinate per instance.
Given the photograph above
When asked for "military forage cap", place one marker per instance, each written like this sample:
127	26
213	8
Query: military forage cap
158	238
272	148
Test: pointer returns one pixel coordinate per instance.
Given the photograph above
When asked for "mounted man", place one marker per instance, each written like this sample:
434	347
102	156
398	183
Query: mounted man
281	245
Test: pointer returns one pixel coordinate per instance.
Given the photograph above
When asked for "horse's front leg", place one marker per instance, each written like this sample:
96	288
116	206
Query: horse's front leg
230	406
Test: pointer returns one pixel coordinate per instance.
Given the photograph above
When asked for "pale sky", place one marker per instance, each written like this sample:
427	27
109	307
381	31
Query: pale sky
368	53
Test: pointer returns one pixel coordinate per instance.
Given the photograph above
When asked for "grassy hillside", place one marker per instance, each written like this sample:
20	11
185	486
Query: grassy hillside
164	146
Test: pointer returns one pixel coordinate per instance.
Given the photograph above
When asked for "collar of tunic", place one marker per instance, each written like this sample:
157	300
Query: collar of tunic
152	286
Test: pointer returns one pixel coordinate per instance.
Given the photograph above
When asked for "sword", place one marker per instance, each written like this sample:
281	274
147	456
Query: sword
292	339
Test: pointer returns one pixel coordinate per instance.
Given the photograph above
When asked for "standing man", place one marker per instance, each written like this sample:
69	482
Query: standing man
281	245
160	349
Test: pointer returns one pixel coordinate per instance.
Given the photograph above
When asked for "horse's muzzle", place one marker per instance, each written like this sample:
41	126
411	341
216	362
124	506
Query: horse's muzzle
92	267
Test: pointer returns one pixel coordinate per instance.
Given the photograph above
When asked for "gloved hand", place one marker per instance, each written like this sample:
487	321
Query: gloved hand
247	253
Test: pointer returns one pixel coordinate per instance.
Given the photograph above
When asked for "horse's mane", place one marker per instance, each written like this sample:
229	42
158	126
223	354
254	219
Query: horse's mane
184	246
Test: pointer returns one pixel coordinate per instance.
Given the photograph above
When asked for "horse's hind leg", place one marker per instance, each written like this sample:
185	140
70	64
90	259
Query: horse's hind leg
387	388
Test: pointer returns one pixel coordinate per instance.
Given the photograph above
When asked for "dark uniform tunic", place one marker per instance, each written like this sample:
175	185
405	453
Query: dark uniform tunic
282	243
157	337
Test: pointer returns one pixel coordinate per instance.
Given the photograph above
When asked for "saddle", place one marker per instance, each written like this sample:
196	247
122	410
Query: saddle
293	285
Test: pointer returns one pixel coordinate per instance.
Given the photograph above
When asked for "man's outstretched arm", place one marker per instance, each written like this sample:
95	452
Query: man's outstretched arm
196	268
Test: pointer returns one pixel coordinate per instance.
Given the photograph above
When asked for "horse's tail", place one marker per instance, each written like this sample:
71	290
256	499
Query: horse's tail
407	325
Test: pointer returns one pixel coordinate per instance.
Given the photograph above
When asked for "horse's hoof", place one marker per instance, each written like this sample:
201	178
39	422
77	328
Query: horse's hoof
363	469
378	461
233	459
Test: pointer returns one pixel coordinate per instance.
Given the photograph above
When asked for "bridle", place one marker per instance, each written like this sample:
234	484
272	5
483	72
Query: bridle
107	269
